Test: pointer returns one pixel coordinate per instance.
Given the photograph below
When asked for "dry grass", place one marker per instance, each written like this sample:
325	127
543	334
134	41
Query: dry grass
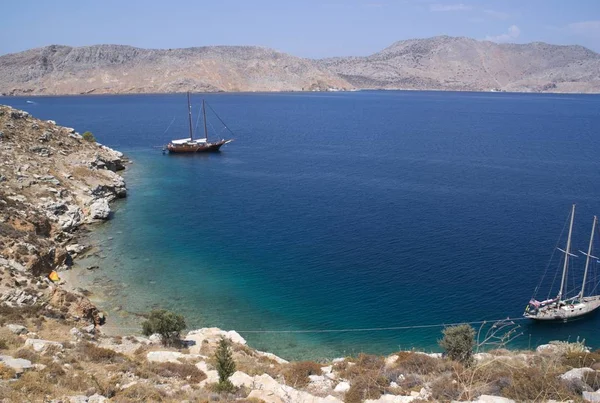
93	353
538	383
581	359
140	392
6	372
185	371
297	374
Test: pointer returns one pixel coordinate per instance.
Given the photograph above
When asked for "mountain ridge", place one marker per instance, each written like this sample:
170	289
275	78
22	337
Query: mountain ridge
436	63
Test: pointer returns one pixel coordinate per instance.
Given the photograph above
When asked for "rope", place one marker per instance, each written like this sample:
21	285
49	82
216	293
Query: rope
220	120
549	262
168	127
351	330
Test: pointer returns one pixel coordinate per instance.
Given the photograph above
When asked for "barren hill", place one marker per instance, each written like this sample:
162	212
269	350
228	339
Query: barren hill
125	69
439	63
451	63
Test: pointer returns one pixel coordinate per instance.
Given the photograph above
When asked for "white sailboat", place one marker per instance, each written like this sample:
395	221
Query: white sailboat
562	307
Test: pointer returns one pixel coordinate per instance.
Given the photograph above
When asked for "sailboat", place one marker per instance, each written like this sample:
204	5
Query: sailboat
191	145
562	307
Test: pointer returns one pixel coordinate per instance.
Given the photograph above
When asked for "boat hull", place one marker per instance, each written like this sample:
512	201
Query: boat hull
566	312
196	148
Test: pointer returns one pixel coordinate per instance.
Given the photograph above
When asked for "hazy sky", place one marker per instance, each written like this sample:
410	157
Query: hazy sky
306	28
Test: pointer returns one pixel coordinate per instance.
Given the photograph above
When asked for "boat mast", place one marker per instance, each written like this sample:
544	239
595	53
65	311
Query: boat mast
190	116
204	117
567	253
588	255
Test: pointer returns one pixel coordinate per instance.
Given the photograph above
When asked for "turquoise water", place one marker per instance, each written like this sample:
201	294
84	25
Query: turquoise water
345	210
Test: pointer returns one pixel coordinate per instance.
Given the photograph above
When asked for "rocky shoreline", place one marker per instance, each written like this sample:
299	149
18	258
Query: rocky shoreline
54	183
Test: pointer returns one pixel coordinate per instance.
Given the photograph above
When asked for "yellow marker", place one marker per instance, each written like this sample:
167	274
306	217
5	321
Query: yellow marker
54	276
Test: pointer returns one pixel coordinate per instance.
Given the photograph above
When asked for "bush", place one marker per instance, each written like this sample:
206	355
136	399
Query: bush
297	374
173	370
167	324
445	389
225	364
88	136
6	372
539	383
370	385
94	353
458	342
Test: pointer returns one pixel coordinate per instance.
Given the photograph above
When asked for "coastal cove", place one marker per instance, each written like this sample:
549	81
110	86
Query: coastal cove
337	211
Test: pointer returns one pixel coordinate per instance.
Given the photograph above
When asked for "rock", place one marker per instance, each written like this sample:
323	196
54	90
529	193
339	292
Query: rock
100	209
46	136
482	356
342	387
71	219
78	399
240	379
591	396
575	374
212	335
165	356
41	151
76	333
75	248
17	114
91	329
17	329
155	338
493	399
17	364
391	399
41	346
96	398
391	360
265	396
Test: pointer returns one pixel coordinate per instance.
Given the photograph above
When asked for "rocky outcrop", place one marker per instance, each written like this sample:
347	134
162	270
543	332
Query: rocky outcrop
53	181
125	69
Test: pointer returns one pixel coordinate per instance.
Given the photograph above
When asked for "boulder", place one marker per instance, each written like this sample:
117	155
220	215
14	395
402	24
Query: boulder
342	387
17	329
591	396
265	396
392	399
493	399
100	209
17	364
576	374
41	346
165	356
240	379
96	398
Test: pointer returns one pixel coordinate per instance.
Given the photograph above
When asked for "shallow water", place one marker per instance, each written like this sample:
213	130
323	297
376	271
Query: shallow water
343	211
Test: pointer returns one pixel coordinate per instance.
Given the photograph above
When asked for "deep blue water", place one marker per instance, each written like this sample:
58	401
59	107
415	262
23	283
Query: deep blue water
346	210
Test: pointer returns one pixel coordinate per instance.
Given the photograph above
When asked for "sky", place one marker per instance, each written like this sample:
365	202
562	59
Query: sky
305	28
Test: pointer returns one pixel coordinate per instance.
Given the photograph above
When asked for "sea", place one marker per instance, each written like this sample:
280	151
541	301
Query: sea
340	223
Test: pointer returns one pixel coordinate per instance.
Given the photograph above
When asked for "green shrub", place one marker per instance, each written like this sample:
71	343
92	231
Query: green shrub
458	342
88	136
225	364
167	324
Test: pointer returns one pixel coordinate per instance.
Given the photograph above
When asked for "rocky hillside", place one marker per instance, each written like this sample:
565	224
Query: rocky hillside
449	63
52	181
124	69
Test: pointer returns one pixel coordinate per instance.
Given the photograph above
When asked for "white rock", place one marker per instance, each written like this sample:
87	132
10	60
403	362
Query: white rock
575	373
391	399
17	329
75	333
155	338
271	356
18	364
40	345
493	399
391	360
482	356
164	356
591	396
266	396
211	377
342	387
240	379
100	209
78	399
96	398
210	335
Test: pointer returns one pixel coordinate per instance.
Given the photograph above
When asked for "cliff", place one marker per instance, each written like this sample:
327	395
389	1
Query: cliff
449	63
